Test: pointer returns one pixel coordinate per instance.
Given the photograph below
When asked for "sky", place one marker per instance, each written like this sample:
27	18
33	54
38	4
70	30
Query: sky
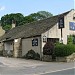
27	7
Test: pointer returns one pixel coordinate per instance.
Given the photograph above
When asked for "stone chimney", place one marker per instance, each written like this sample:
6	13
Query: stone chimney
13	24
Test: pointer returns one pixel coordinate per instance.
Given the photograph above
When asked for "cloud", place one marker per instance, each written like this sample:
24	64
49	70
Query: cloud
2	8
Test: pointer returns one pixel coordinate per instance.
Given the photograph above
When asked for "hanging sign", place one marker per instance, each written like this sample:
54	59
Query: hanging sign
61	22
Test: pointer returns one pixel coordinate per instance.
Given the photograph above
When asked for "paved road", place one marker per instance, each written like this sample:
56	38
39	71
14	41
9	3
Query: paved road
13	66
62	72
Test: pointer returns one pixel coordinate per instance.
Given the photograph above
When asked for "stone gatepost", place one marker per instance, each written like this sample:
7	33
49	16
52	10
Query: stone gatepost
17	47
2	47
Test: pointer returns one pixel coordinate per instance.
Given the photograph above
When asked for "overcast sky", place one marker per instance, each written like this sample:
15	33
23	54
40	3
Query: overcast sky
27	7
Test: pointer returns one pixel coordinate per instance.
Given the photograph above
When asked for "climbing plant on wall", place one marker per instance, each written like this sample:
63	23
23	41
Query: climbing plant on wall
71	39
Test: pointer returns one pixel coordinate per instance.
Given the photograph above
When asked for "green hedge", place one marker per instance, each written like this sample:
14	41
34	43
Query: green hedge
64	50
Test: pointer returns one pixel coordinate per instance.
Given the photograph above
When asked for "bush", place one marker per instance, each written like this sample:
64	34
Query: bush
48	48
37	56
32	55
64	50
71	39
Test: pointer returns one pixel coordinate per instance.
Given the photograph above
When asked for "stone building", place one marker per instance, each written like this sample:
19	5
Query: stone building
19	40
2	32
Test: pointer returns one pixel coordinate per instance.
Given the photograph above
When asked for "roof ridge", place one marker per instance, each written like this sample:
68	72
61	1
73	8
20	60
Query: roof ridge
45	18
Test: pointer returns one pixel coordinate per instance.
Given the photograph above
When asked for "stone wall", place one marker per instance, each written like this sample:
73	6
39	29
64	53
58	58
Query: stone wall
60	59
69	58
8	53
17	47
47	58
1	46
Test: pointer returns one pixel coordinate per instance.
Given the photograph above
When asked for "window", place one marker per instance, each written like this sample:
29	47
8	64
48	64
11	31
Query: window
72	25
35	42
71	39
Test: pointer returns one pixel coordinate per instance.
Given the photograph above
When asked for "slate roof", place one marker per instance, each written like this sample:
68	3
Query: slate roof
32	29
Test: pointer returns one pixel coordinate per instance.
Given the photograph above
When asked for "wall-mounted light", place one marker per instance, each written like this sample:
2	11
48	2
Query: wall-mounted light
44	38
16	40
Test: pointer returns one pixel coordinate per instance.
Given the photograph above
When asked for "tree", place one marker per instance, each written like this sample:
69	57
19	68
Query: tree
45	14
6	20
31	18
37	16
27	19
7	27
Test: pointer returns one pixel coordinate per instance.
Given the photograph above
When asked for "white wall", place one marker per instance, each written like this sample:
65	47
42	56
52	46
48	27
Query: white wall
66	31
27	45
69	18
54	32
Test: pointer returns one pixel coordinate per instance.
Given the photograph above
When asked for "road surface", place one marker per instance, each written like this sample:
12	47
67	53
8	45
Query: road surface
62	72
16	66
